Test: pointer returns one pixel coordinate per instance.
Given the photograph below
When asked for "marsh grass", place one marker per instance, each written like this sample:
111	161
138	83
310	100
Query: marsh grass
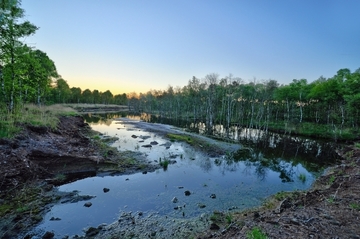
164	163
10	122
256	233
302	177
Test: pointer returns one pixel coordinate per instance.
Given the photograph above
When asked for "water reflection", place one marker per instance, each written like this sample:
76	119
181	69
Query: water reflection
264	164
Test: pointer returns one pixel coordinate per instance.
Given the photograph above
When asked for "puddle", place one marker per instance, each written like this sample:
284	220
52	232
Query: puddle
214	183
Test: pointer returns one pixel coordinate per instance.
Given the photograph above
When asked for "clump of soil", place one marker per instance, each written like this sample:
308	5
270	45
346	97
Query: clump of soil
40	157
331	209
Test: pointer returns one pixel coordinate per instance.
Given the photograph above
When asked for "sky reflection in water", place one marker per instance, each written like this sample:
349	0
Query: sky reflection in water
237	184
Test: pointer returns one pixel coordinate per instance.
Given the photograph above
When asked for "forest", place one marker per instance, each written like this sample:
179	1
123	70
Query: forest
326	107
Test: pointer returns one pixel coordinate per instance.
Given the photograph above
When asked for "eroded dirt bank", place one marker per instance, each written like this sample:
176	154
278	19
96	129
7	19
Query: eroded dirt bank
39	158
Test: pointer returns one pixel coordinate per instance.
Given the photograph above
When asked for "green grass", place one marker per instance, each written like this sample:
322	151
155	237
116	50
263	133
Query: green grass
181	137
256	233
48	116
355	206
302	177
164	163
331	179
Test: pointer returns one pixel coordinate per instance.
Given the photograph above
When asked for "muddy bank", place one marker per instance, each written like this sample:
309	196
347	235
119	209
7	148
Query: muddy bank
330	209
39	158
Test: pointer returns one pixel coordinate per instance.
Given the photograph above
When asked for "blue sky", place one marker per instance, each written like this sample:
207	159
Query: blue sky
134	45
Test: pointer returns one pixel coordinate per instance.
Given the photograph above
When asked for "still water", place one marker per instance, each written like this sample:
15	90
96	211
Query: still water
233	181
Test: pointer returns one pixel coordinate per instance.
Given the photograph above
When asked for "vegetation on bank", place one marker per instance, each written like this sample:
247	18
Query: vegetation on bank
10	123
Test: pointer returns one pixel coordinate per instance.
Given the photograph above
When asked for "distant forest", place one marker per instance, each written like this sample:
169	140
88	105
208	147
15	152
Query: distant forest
326	107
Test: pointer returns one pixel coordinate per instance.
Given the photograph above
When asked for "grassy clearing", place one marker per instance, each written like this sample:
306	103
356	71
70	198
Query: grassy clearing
33	115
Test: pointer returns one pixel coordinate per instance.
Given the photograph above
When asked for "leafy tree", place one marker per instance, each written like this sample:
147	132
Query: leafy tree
12	29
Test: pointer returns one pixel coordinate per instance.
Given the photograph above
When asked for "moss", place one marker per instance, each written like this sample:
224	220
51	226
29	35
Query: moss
181	137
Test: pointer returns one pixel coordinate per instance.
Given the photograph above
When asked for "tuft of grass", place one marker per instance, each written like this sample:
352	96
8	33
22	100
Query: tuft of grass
357	145
331	199
331	179
256	233
164	163
229	218
60	177
355	206
302	177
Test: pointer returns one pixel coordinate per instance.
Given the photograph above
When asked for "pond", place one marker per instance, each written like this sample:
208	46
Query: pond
200	184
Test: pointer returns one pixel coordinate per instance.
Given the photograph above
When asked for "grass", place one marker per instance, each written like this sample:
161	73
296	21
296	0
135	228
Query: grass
164	163
331	199
181	137
331	179
48	116
355	206
302	177
256	233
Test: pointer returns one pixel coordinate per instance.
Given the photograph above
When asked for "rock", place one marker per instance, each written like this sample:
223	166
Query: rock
144	137
213	196
154	143
87	204
201	205
48	235
180	187
187	193
175	200
146	146
145	172
106	190
127	179
133	136
214	226
140	213
55	219
92	231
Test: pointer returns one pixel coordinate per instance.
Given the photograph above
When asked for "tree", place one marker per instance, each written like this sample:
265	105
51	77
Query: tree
11	31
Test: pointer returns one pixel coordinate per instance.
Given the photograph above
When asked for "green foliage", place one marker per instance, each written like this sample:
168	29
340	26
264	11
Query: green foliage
355	206
281	195
331	199
256	233
164	163
181	137
229	218
302	177
332	179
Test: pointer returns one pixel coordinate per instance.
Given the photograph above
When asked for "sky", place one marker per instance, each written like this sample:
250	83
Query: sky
140	45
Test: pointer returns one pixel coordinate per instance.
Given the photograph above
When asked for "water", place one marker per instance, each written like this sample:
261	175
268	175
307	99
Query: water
238	182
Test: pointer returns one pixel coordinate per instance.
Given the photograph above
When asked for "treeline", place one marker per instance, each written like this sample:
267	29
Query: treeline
324	108
61	92
28	75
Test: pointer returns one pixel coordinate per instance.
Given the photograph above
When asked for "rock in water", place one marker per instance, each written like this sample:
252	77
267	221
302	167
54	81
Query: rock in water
175	200
187	193
106	190
87	204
